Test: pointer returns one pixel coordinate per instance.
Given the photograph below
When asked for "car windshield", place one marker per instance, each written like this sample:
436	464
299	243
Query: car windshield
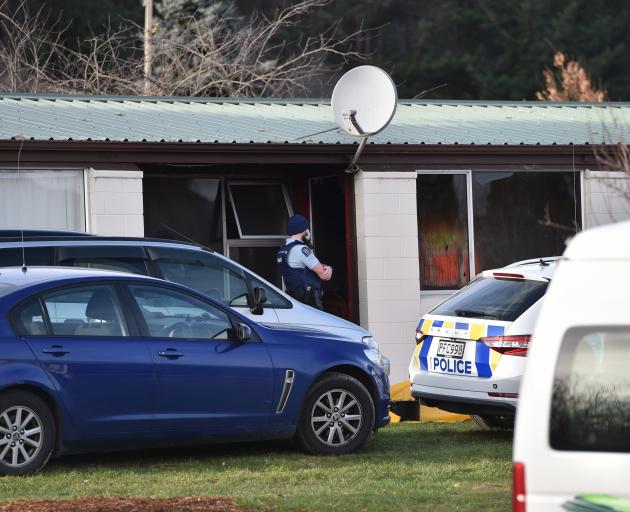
496	299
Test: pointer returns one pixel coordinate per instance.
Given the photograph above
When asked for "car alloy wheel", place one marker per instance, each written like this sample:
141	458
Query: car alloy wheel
336	417
21	436
28	433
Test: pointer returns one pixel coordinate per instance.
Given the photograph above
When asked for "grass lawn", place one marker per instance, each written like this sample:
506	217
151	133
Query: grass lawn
411	466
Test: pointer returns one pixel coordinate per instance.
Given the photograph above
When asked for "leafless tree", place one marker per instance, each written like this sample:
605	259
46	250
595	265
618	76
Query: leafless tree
229	57
27	49
215	59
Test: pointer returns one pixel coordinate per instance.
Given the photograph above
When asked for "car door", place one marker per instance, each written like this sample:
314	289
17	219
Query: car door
210	275
92	353
206	382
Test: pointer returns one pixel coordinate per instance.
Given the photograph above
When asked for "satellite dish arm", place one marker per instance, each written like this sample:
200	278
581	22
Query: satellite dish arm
352	117
353	167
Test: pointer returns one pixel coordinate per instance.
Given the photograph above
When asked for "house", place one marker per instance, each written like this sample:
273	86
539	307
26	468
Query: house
447	190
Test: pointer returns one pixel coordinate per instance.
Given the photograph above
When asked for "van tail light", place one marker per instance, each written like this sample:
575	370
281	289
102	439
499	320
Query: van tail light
518	488
508	345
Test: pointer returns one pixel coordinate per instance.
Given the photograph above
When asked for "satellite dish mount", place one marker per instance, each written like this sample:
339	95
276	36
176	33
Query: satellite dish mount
363	102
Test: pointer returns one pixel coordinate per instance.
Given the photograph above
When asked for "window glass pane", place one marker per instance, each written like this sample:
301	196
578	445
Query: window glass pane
203	272
131	265
85	311
171	314
590	408
191	207
443	231
42	199
274	299
498	299
261	209
29	320
523	215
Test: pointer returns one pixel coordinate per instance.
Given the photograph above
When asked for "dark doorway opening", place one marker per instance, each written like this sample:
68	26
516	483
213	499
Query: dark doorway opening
331	214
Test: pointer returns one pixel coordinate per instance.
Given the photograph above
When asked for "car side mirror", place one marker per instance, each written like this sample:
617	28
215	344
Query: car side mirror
243	332
260	297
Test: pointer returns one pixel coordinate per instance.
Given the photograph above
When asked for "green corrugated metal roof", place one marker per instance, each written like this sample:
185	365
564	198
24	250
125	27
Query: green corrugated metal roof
216	120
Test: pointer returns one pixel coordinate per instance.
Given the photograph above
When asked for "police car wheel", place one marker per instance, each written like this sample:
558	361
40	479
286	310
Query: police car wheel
493	422
27	433
337	416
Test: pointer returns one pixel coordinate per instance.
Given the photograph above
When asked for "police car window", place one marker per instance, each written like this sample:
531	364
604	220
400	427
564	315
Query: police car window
496	299
590	406
172	314
204	273
85	311
28	320
132	265
274	299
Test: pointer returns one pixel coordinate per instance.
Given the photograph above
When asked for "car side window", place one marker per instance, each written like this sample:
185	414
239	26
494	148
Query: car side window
204	273
131	265
173	314
29	320
590	406
274	299
85	311
34	256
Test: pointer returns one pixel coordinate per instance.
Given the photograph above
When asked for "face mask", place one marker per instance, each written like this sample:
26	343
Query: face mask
307	235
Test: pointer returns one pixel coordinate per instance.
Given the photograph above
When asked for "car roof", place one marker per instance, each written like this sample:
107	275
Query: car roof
8	235
536	268
609	242
15	278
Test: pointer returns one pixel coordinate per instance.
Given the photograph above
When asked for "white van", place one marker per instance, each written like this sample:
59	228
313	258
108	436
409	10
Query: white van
572	437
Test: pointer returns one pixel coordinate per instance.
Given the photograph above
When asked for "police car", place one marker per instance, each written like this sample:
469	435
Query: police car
469	355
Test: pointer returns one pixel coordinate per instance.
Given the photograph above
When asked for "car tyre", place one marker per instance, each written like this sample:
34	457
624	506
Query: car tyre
337	416
493	422
27	433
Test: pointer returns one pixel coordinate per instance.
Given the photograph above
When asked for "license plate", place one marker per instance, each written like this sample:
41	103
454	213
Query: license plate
452	349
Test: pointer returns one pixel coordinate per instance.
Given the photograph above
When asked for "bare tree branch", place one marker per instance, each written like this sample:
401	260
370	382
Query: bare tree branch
222	56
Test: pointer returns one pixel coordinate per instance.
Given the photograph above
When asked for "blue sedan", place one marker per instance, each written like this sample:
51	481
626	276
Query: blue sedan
96	360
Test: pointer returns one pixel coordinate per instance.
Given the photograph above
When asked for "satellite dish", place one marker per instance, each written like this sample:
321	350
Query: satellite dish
364	101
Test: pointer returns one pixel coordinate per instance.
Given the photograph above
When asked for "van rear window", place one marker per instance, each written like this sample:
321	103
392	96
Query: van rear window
590	406
495	299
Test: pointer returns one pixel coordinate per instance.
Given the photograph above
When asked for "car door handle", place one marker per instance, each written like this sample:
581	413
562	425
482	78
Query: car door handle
55	350
170	353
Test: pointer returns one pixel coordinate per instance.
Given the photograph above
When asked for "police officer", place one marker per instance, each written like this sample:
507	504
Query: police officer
301	270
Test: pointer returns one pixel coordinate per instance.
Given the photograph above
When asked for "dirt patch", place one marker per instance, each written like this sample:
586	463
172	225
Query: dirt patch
187	504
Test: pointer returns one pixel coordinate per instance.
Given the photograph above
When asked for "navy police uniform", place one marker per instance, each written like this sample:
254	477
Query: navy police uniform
295	260
301	282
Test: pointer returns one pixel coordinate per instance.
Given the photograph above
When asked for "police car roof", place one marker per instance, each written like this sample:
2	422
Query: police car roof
536	268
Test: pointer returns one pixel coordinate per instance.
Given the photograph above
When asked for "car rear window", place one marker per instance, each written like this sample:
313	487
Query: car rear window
590	406
495	299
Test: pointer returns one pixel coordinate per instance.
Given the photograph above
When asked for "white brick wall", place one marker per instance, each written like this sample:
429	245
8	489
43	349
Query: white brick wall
387	249
115	202
606	197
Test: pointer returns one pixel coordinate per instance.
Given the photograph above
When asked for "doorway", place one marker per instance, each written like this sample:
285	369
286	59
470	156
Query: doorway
331	218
